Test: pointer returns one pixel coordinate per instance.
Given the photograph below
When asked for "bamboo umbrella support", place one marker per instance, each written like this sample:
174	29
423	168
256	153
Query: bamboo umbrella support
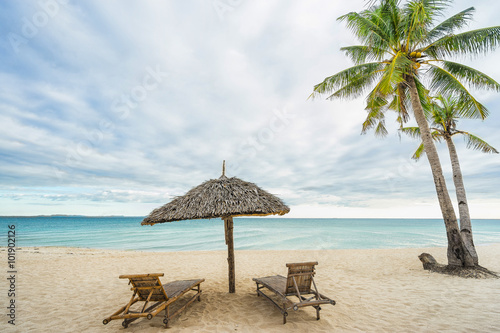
228	226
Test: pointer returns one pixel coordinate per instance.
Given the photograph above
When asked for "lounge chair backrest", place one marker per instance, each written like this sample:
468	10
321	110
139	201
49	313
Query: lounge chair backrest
302	273
144	284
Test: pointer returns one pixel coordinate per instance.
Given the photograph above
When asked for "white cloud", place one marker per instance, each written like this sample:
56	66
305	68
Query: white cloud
111	104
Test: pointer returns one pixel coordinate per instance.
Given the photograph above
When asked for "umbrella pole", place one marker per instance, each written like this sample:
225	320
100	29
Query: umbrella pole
228	228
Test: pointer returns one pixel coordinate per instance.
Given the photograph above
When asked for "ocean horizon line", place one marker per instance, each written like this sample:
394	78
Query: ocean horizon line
245	217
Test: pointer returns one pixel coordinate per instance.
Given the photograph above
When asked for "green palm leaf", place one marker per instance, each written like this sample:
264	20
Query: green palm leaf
471	42
419	152
380	130
375	119
367	31
444	83
359	54
413	132
476	143
400	104
449	26
360	73
471	76
418	15
395	72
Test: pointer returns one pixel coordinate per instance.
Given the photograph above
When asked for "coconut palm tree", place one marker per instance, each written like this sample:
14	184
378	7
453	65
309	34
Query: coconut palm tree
400	46
444	119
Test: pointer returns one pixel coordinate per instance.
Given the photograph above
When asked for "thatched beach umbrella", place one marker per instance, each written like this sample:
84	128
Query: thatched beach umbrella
224	198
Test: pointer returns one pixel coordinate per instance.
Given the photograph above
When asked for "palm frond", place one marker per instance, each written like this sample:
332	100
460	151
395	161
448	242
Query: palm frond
419	152
380	130
359	54
471	76
367	31
476	143
389	17
412	132
473	43
376	101
400	104
418	16
444	83
356	87
450	25
376	105
345	78
373	119
395	72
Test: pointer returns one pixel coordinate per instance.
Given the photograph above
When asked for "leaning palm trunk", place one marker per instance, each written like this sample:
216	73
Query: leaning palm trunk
463	208
457	252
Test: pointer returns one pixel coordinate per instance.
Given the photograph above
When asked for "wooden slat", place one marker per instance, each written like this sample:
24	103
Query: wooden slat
140	275
301	274
147	287
311	263
275	283
176	289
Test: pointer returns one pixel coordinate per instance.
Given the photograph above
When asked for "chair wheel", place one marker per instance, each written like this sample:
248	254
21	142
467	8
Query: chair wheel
125	324
105	321
150	316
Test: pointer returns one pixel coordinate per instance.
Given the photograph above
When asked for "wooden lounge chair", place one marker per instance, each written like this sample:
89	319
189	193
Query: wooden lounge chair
147	288
298	284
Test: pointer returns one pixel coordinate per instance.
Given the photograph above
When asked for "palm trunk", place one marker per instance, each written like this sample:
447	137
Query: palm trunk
457	253
463	208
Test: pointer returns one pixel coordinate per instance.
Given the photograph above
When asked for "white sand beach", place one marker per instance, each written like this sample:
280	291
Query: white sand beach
73	290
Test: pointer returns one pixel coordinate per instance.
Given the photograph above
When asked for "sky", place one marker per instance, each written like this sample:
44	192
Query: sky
116	107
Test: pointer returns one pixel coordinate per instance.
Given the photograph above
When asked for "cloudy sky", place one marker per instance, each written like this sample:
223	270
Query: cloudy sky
115	107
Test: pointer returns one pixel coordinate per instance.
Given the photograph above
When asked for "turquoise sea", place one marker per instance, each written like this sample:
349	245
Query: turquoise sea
126	233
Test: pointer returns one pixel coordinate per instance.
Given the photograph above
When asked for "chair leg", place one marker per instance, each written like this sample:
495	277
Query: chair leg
167	315
199	292
318	308
285	313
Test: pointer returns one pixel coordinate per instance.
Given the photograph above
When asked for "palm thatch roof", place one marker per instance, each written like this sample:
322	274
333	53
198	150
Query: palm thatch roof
221	197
